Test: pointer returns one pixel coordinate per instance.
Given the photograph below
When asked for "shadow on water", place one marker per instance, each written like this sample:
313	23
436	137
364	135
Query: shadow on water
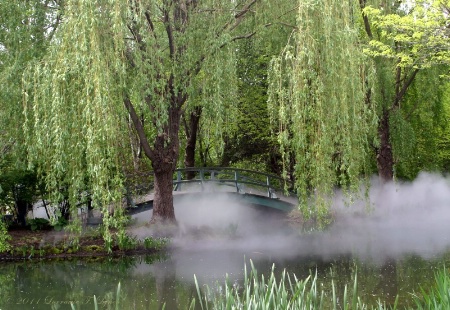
393	250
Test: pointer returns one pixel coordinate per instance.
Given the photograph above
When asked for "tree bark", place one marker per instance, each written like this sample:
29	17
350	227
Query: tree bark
385	158
22	209
163	210
191	134
164	157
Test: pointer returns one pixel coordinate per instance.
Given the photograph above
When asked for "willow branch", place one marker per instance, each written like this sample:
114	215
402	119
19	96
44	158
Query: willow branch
399	96
362	4
238	17
139	127
151	26
169	32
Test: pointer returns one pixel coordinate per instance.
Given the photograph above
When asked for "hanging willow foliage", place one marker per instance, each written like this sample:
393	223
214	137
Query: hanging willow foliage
317	94
73	104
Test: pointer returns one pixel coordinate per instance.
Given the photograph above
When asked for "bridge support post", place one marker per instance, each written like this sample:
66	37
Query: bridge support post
202	178
178	185
270	191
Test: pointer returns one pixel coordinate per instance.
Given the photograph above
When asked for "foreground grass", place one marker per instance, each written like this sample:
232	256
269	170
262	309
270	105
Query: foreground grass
288	292
439	296
292	293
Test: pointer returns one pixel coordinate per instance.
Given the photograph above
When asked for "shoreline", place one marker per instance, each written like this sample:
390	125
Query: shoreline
28	245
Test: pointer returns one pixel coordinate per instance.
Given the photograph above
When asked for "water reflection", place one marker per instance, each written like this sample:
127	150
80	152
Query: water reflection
149	282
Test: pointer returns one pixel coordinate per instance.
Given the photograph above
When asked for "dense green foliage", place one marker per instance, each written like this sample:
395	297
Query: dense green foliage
16	185
23	25
444	135
316	93
414	34
423	123
4	237
409	45
251	142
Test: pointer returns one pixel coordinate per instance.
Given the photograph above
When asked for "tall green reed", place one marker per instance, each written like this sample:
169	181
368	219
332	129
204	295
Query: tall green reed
288	292
438	297
291	293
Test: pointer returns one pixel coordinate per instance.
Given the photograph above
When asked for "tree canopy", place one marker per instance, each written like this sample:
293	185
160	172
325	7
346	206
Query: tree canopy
403	39
414	35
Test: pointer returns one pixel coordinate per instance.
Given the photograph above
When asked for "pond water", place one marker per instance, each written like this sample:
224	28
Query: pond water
394	247
149	281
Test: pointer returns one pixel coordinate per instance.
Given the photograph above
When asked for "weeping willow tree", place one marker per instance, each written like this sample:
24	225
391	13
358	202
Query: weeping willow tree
116	63
25	27
317	93
73	128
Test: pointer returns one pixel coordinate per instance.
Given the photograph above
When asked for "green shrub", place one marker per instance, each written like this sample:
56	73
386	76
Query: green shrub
155	243
4	237
59	225
126	242
39	224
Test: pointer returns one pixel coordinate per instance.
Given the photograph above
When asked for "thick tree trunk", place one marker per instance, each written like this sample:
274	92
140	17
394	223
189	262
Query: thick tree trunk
385	158
164	156
164	159
191	134
163	210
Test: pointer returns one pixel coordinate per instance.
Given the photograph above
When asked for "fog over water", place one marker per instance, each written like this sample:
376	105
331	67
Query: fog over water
403	218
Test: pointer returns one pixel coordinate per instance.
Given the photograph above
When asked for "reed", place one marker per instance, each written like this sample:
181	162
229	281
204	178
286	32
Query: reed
438	297
294	294
288	292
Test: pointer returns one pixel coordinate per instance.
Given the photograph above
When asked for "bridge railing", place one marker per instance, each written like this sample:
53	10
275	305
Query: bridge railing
209	177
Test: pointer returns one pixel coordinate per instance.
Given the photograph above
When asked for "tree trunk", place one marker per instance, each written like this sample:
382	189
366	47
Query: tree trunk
163	210
385	158
191	134
22	209
226	156
164	159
